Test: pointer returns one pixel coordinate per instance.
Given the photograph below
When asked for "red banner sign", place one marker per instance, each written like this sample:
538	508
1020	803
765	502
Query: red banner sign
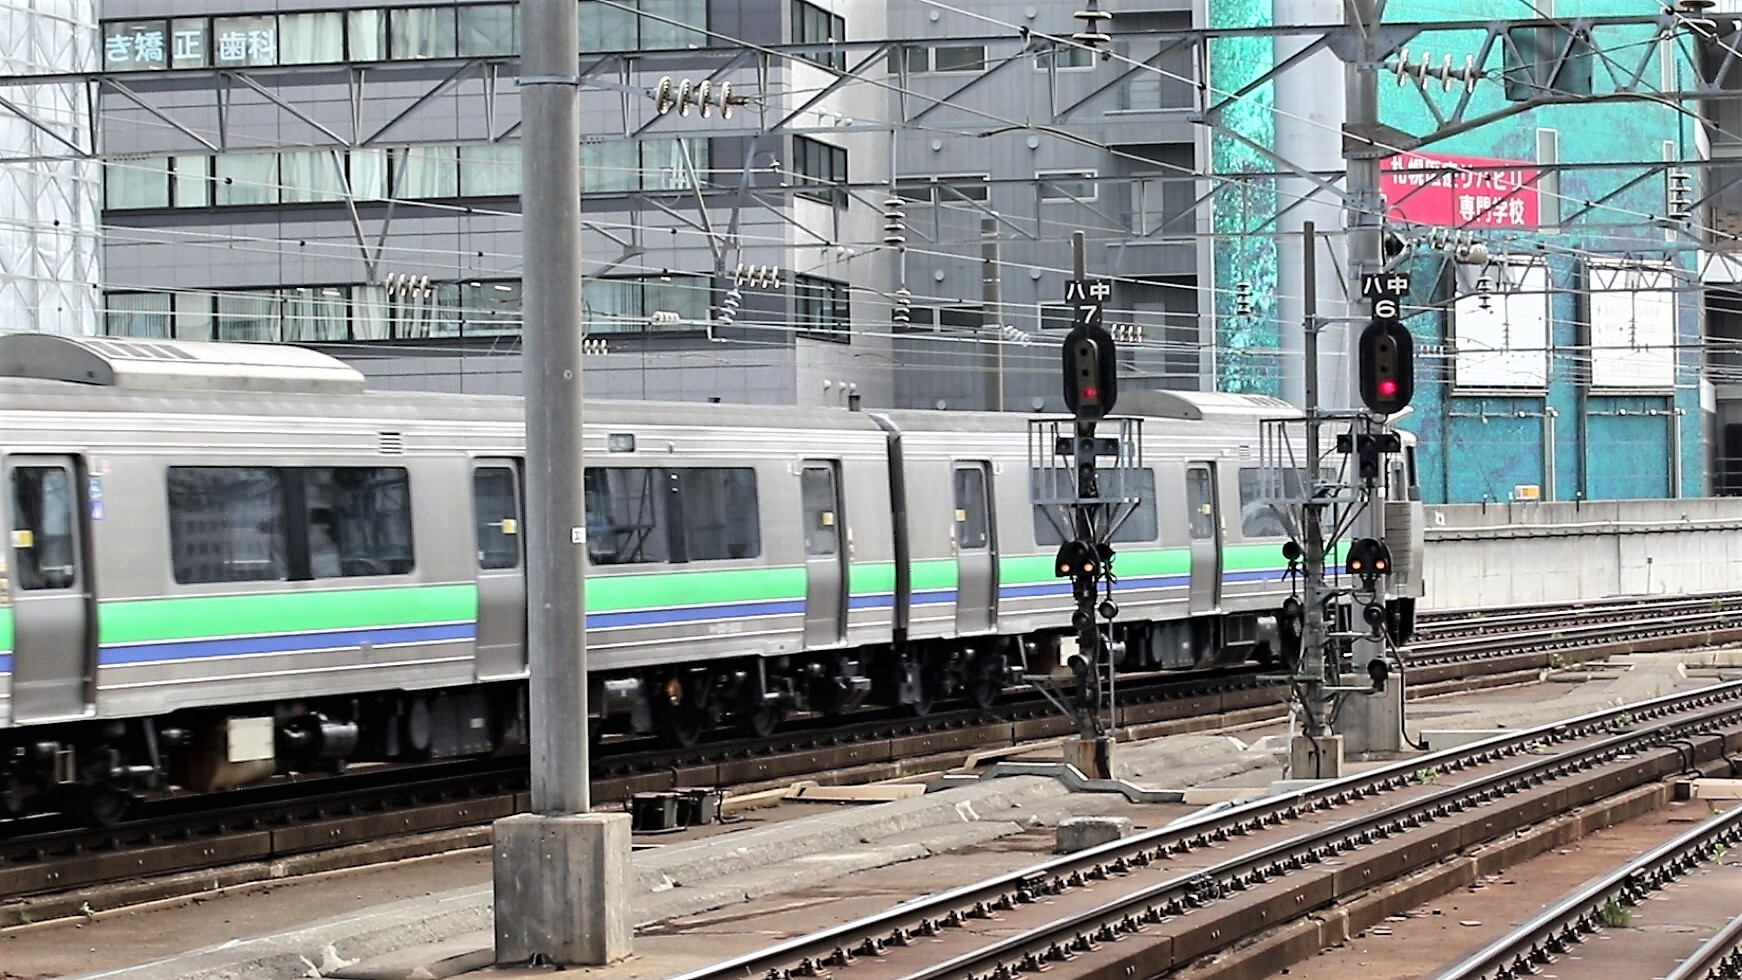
1443	190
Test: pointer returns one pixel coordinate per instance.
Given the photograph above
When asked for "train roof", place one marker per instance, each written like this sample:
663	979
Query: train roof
60	372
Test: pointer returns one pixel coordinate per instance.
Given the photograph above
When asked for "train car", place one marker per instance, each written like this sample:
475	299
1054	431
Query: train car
228	561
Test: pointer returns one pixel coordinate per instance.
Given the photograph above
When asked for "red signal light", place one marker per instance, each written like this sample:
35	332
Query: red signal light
1091	393
1387	388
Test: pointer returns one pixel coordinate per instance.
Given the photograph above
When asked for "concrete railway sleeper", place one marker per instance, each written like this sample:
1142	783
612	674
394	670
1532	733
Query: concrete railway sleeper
1093	914
1568	923
181	835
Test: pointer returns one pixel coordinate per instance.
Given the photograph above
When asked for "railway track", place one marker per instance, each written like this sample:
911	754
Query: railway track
1604	907
296	827
1149	904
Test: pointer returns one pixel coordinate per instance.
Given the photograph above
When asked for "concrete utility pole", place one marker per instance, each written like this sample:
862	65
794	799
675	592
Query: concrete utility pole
561	873
1373	721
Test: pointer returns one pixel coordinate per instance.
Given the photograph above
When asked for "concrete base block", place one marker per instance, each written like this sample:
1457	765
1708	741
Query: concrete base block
1372	722
563	888
1320	758
1093	757
1080	833
1450	738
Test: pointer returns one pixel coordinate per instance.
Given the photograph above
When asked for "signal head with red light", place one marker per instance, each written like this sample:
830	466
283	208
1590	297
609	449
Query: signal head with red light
1386	370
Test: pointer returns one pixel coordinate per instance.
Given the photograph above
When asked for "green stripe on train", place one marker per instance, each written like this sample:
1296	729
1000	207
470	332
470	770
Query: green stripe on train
153	620
5	629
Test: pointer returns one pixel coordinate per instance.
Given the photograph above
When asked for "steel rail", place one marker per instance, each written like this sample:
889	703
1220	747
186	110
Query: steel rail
38	860
873	934
1719	958
1568	922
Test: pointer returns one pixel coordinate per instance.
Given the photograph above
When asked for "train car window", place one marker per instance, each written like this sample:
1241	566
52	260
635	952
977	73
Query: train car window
226	524
822	529
1201	502
626	522
971	529
719	513
1258	516
496	511
359	521
44	551
1139	528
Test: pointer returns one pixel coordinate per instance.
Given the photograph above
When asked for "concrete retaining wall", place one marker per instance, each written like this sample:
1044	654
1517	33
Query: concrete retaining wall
1509	553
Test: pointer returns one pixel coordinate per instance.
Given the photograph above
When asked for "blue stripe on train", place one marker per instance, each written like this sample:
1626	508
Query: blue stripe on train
5	663
236	646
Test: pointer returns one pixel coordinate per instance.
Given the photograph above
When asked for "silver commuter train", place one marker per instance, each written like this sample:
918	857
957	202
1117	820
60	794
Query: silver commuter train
227	561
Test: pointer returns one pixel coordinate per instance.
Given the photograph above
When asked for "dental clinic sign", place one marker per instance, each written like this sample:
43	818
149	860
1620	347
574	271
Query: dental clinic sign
1459	191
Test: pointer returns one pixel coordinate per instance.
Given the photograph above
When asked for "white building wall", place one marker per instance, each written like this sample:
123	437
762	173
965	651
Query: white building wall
50	202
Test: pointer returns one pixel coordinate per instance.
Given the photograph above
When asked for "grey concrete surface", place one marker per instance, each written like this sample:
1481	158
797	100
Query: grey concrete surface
1080	833
707	874
562	888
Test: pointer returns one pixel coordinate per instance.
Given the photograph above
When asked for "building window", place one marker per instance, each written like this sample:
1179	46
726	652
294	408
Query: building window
673	24
820	310
143	182
814	25
311	175
1057	317
488	30
490	309
915	59
246	178
958	57
311	39
1064	56
961	318
820	170
1066	186
490	170
250	317
632	304
673	164
137	315
315	314
366	34
421	32
960	189
136	45
421	172
243	42
479	30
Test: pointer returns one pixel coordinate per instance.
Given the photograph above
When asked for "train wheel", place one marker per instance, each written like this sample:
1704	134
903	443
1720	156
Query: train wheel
985	683
101	806
679	725
926	691
761	720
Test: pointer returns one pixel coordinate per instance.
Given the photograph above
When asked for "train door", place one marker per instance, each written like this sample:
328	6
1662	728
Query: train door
501	643
825	595
1205	520
50	590
976	553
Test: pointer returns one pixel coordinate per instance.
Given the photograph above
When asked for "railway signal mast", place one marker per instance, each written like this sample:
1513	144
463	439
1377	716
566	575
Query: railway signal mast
1316	627
1085	481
